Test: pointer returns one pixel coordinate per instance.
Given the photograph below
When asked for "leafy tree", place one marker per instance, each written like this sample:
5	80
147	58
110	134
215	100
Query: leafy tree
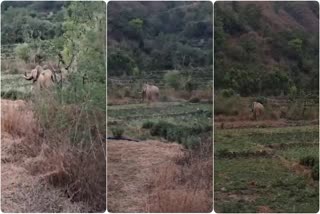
23	51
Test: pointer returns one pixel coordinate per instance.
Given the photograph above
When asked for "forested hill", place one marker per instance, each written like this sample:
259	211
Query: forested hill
22	21
149	36
267	48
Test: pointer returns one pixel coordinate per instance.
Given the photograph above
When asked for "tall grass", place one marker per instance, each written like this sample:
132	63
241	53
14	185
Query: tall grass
73	124
186	185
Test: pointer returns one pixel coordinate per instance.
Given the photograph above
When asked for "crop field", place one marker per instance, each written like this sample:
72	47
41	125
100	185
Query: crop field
131	117
267	170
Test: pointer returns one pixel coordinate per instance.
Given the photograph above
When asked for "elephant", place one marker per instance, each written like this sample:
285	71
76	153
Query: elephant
44	78
151	92
257	109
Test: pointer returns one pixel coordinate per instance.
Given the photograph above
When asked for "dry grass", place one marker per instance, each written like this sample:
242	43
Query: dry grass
184	186
15	119
45	148
76	157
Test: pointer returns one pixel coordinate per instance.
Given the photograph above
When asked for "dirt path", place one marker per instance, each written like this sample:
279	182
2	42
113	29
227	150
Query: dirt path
21	191
130	166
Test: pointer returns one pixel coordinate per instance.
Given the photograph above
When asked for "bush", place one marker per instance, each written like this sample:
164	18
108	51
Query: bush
227	92
117	132
160	129
23	51
293	92
172	79
309	161
147	124
315	172
313	163
175	134
262	100
194	100
190	85
191	142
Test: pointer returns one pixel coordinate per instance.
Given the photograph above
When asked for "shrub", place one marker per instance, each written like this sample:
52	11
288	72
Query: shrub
172	79
191	142
190	85
315	171
194	100
23	51
293	92
147	124
175	134
117	132
160	128
262	100
227	92
309	161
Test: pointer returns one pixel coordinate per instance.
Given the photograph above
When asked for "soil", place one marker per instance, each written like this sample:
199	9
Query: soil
130	166
21	191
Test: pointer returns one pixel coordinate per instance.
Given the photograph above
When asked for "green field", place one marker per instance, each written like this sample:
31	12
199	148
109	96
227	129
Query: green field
131	117
253	168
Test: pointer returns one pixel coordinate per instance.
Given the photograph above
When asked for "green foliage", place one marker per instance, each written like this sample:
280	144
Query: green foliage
21	23
120	63
309	160
293	92
188	136
262	100
149	43
313	163
191	142
148	124
227	92
23	51
252	15
315	171
117	132
245	43
190	85
173	79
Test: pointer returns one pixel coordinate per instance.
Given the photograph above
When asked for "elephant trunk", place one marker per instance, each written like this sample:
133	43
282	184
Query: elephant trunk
26	77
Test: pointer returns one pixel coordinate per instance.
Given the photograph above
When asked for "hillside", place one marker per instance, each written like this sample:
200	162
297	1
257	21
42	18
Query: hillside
266	48
149	36
24	21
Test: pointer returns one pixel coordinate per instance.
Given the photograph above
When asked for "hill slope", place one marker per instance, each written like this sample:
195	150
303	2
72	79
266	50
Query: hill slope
266	48
146	36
